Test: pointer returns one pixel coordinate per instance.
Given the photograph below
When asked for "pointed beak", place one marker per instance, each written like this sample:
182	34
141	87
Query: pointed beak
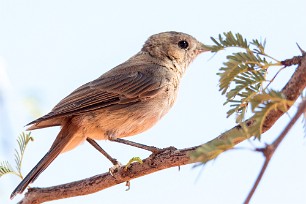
201	48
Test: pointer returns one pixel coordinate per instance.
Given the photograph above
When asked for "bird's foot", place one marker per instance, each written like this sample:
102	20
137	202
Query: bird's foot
114	169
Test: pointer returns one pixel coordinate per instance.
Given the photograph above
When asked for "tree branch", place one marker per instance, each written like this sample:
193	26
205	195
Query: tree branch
269	150
170	157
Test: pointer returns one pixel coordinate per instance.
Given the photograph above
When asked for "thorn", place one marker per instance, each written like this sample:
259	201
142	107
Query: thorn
128	184
260	150
302	51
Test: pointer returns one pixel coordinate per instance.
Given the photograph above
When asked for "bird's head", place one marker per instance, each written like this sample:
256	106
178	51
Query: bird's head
179	48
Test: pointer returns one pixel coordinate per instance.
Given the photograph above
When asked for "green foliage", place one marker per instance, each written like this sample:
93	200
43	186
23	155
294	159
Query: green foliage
264	103
5	167
229	41
242	80
243	74
23	141
261	104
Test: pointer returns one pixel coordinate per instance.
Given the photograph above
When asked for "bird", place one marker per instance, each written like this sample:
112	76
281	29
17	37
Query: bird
124	101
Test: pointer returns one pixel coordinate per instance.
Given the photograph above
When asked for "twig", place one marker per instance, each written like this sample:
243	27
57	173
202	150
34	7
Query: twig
273	78
269	150
293	61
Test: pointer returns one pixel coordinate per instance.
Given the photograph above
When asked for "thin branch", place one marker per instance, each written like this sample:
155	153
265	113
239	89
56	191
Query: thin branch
164	160
269	150
301	110
273	78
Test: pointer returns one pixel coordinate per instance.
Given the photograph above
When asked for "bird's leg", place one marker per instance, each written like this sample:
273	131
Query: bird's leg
152	149
97	147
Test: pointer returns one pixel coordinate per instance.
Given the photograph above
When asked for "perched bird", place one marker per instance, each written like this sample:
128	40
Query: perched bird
124	101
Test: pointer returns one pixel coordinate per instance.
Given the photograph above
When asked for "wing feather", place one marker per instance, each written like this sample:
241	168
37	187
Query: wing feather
118	89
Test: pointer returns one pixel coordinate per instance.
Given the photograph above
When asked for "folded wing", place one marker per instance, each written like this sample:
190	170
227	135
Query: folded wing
103	92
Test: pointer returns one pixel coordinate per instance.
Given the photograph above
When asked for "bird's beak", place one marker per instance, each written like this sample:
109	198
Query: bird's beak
201	48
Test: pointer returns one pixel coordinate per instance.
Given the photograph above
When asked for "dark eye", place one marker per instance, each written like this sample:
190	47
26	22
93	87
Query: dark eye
183	44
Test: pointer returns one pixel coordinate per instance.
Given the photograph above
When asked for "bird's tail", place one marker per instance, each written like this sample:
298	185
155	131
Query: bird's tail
61	141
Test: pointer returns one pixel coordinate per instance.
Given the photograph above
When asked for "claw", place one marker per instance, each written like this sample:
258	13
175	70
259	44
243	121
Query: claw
115	168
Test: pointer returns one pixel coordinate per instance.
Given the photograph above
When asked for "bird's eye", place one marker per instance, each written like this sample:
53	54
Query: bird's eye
183	44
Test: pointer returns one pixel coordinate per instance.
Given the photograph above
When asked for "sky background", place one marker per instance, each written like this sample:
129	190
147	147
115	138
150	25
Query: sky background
49	48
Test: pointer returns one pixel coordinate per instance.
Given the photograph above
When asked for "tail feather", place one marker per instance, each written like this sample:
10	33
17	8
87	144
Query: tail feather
44	123
63	138
35	172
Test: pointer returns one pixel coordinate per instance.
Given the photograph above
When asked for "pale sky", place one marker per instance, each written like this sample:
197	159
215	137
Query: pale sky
49	48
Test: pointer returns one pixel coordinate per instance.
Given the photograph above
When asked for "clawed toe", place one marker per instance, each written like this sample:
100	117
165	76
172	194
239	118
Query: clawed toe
115	168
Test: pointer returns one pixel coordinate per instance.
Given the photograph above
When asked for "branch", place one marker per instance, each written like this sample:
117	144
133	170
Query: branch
167	159
170	157
269	150
237	134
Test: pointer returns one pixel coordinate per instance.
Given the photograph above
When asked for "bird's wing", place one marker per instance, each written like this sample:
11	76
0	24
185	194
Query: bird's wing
122	88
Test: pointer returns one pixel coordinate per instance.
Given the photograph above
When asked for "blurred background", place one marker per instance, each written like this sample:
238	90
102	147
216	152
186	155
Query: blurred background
49	48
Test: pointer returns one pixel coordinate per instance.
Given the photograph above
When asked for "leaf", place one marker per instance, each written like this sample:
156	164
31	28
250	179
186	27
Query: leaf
263	104
22	140
241	66
5	168
243	74
270	96
260	46
230	40
244	81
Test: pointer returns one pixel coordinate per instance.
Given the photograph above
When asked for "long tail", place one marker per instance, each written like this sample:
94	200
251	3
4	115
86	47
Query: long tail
63	138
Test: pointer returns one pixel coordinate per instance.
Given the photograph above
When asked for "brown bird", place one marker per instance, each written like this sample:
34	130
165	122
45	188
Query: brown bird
124	101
